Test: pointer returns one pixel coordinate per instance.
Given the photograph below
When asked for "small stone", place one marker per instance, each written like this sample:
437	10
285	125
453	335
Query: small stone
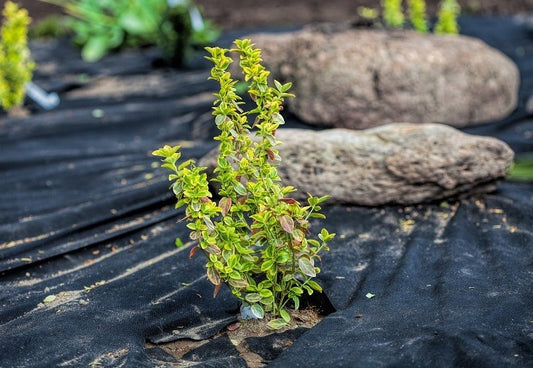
247	313
49	299
97	113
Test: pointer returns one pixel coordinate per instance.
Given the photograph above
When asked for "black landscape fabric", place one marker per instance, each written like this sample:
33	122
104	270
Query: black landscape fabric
90	274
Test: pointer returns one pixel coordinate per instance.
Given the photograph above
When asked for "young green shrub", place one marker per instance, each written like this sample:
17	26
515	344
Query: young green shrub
256	237
417	15
447	17
16	66
393	13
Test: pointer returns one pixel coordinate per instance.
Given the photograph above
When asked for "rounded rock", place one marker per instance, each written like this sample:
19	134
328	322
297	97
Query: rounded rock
359	78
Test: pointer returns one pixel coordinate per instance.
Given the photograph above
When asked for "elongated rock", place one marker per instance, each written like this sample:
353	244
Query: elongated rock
396	163
359	78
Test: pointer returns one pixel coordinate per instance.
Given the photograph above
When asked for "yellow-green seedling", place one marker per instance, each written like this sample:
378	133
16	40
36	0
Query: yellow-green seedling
393	13
447	17
368	13
417	15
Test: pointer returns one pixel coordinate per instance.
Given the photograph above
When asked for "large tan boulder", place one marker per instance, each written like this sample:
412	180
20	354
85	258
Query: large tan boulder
395	163
359	78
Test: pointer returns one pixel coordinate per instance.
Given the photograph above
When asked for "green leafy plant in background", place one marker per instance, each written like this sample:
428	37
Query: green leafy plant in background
417	15
393	13
522	169
256	237
16	67
447	17
101	26
368	13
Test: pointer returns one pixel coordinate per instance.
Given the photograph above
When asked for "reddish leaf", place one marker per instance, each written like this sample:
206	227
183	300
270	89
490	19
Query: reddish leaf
212	249
205	199
289	200
287	223
242	199
217	289
292	244
193	251
270	154
225	205
213	276
255	229
298	236
234	326
307	267
195	235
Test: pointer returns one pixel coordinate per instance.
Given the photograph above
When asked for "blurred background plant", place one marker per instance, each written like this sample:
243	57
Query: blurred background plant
392	14
368	13
417	15
102	26
447	17
522	169
16	66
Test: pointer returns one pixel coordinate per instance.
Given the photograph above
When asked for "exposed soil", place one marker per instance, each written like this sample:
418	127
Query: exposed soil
247	13
230	14
239	333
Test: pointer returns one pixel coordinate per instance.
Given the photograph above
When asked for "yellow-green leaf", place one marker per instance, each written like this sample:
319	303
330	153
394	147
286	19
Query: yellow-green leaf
257	310
239	188
252	297
314	285
277	324
285	315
